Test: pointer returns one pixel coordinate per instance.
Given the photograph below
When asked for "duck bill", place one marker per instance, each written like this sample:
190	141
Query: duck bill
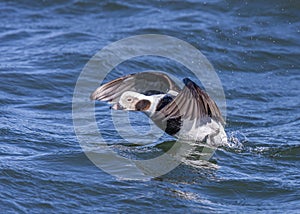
117	106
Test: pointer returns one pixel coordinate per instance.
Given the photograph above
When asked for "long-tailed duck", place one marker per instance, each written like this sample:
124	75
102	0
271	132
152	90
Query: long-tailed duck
188	113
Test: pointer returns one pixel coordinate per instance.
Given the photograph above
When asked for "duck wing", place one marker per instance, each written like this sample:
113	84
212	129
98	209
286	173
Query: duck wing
147	83
192	103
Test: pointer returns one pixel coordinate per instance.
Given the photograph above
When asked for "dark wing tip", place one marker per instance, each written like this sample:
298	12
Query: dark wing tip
209	106
188	82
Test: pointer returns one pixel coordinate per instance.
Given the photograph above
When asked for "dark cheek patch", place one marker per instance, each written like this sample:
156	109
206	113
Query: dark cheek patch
142	105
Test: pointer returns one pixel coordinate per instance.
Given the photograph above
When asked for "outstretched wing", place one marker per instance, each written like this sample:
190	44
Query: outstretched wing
191	103
144	82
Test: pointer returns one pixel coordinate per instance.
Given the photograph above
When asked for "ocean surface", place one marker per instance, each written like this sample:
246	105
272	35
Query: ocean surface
254	47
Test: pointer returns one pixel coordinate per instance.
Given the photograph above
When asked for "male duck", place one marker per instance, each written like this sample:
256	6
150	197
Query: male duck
188	113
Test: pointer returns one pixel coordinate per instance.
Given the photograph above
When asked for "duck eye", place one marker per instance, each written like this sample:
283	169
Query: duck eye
129	99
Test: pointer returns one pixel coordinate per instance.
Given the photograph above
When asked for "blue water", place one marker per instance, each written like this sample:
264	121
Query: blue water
254	47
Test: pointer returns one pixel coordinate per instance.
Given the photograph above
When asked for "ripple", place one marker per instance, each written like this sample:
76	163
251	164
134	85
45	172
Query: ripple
45	45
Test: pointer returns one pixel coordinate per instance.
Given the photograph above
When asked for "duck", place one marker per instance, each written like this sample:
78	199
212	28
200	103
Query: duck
186	113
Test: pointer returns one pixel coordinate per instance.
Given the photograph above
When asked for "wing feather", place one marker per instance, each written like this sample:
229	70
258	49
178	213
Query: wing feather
138	82
192	103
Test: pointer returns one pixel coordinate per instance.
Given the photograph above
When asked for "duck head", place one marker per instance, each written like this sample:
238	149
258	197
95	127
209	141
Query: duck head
133	101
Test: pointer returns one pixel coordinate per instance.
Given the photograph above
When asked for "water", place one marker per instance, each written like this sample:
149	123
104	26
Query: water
254	47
